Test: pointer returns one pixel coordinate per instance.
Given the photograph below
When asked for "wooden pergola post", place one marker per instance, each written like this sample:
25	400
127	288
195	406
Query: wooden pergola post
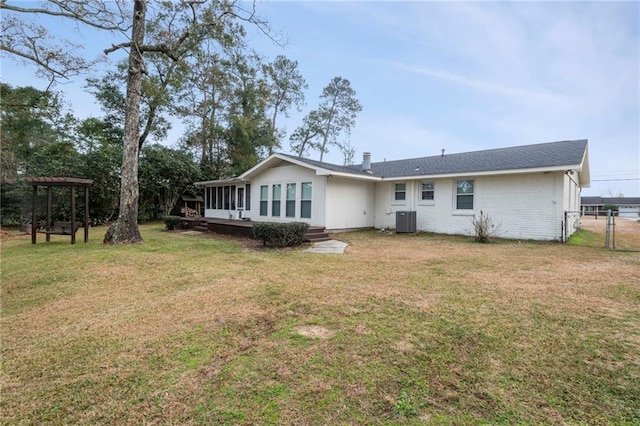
49	222
34	200
86	214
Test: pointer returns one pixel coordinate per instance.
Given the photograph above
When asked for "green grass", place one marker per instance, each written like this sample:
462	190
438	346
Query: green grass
411	329
585	237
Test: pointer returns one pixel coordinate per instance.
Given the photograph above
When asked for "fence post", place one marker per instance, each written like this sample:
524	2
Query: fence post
613	230
608	230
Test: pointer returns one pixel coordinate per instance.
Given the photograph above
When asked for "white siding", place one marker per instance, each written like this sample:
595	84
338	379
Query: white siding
350	203
284	174
521	206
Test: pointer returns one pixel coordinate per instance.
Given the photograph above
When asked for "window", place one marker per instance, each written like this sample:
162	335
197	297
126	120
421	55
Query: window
400	192
219	204
226	197
291	200
247	201
464	194
305	201
427	191
232	196
240	198
264	199
275	200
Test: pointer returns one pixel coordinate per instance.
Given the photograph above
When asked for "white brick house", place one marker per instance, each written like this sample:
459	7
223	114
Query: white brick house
530	192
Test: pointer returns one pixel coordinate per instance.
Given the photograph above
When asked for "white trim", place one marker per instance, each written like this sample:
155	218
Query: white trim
464	212
422	202
486	173
350	176
395	202
219	182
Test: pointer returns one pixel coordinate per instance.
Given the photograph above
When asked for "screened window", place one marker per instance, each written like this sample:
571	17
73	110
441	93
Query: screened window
464	194
226	197
427	191
232	196
291	200
209	202
275	200
241	198
305	202
400	192
264	199
247	201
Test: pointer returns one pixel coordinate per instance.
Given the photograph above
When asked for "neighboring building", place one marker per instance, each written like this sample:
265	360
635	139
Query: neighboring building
530	192
627	206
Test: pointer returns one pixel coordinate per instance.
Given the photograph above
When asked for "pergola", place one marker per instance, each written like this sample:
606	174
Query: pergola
48	183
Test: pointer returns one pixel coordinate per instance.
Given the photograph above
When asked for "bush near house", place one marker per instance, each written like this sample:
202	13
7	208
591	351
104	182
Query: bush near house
171	222
280	234
484	228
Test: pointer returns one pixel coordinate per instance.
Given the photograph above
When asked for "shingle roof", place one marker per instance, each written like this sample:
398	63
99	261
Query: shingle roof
552	154
353	169
596	200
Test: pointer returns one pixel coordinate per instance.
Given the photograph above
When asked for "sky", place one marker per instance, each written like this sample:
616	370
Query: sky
459	76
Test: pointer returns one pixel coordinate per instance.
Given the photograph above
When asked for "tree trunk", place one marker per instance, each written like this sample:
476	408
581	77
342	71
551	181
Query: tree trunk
125	229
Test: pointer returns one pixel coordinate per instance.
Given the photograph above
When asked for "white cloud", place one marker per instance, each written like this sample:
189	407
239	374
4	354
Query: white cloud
492	88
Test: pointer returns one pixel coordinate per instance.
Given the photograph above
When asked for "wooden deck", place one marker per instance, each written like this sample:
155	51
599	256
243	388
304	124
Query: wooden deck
241	228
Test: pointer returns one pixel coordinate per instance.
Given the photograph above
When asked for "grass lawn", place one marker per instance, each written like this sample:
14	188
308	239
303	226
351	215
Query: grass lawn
402	329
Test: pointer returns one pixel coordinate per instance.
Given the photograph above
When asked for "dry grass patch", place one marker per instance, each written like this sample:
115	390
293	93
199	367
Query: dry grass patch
400	329
627	232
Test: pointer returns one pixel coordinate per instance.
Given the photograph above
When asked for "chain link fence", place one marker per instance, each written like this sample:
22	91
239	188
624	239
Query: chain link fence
612	229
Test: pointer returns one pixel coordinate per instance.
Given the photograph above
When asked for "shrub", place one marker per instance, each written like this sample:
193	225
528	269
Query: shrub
171	222
612	207
484	228
280	234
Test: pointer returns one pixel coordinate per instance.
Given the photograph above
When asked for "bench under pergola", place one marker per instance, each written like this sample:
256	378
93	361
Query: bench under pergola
67	228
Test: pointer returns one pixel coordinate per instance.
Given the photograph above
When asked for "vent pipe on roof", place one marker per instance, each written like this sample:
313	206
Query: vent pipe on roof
366	162
442	155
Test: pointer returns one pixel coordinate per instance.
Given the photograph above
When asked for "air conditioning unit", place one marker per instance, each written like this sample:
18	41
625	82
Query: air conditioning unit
405	221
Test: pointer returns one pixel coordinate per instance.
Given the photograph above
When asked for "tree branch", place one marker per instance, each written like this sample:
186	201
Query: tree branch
66	11
115	47
33	59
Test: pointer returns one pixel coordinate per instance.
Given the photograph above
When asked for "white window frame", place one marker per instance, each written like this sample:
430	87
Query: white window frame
263	200
273	199
431	202
394	192
288	200
304	200
473	194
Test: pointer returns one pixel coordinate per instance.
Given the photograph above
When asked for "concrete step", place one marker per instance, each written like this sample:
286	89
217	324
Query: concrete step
317	234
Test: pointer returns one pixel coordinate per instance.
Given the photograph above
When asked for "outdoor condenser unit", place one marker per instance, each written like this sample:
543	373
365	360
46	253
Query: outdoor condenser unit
406	221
